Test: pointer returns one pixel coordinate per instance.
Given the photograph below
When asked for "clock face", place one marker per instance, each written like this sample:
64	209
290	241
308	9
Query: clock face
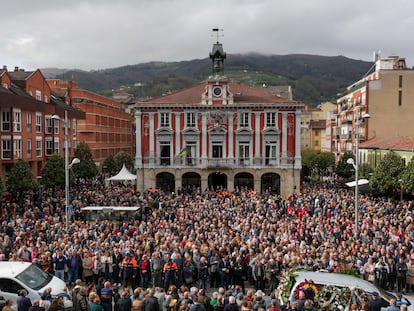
217	90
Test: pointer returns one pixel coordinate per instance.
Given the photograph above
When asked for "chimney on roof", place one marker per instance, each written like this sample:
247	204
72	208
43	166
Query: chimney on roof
4	67
16	68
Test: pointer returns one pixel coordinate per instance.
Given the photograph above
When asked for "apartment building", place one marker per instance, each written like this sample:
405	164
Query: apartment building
28	129
107	127
313	130
385	96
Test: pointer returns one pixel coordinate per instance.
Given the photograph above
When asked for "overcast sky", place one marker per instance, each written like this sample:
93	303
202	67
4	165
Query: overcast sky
99	34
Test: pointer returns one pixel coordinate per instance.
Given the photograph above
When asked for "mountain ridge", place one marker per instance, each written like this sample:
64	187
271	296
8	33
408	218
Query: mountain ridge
313	78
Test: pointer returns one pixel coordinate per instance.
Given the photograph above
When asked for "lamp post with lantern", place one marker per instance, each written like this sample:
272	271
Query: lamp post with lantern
67	167
355	164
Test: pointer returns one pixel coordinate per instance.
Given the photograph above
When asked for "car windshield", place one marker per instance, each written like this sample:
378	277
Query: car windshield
34	277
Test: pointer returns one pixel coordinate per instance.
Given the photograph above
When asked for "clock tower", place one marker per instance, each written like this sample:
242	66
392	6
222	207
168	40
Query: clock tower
217	90
217	55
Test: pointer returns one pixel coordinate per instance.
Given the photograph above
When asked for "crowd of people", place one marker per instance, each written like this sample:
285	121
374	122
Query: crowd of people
185	246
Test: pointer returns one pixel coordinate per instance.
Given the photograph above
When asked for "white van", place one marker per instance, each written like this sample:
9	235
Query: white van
16	275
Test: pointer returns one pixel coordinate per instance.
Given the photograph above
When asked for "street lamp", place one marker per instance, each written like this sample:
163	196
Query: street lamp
401	190
355	164
67	167
54	118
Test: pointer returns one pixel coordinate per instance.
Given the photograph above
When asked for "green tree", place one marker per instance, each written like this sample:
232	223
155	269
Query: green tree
109	165
387	174
343	169
316	160
407	178
1	186
1	189
21	179
365	171
53	173
324	161
123	158
308	161
86	168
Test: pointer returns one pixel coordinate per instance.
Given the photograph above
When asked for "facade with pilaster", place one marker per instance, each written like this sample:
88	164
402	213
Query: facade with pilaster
219	135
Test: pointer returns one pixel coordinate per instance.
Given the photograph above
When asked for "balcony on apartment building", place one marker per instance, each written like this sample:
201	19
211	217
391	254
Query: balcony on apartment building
346	136
335	132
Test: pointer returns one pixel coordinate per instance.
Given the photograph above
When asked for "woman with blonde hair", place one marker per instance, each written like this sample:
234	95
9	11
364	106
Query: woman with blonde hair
96	304
8	305
249	296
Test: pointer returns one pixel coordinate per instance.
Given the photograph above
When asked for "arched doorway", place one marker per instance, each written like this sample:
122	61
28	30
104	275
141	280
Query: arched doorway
217	180
165	181
191	182
244	181
270	182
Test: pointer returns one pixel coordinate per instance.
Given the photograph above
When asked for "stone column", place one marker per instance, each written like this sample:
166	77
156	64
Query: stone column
151	139
138	139
204	139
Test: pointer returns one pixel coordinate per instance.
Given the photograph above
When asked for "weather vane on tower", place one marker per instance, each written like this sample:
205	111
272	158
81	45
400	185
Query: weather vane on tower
217	31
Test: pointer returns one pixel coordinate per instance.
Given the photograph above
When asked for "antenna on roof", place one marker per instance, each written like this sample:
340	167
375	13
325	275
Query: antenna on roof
217	30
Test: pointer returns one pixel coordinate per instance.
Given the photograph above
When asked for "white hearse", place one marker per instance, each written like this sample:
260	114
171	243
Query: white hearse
333	288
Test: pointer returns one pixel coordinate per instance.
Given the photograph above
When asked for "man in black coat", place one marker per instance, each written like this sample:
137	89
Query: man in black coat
224	269
376	303
23	302
151	302
124	303
238	272
232	305
402	269
36	306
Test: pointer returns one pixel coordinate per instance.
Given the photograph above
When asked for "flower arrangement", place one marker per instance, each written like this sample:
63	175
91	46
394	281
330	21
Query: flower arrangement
310	288
285	284
337	297
341	296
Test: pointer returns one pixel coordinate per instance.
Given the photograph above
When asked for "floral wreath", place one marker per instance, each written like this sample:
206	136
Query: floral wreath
344	296
310	289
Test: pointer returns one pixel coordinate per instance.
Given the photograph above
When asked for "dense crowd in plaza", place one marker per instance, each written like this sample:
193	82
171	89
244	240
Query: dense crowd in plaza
198	250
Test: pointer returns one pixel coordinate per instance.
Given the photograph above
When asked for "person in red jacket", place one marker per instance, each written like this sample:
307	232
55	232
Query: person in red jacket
145	268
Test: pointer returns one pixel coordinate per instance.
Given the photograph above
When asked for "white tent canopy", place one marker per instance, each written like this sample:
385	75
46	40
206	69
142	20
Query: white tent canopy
361	182
363	185
123	174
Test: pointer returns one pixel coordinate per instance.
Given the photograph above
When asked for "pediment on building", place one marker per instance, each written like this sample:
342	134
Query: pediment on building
244	132
217	130
190	131
164	132
191	134
271	131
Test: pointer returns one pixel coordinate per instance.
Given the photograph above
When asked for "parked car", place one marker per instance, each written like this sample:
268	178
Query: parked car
16	275
333	288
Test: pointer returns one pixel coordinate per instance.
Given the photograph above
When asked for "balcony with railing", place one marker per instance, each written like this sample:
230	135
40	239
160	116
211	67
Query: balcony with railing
164	161
220	163
244	162
157	161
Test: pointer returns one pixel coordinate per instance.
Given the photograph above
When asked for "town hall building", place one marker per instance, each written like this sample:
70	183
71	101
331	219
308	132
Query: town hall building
219	135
